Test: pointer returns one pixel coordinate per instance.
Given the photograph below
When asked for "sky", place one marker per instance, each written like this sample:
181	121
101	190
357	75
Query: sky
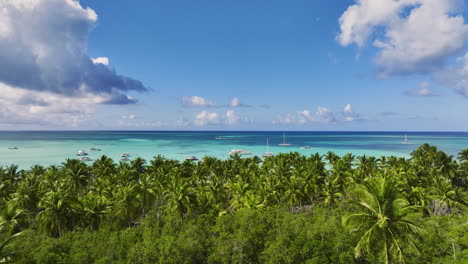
376	65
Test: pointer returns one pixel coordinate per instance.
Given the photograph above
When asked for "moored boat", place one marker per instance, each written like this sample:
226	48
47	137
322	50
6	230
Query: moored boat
284	141
235	151
268	153
81	153
192	158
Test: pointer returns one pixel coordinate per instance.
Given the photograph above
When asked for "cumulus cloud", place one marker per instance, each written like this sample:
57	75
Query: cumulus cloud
417	35
206	118
321	115
230	117
101	60
422	90
235	102
43	48
20	107
349	115
196	101
456	78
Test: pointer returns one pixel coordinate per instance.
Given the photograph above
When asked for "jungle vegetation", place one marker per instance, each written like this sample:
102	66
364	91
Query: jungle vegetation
288	208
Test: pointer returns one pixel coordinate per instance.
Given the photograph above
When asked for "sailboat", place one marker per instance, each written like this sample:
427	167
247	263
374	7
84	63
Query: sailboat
268	153
405	141
284	141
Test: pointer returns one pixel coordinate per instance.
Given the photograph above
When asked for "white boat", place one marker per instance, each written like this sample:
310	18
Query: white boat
239	152
124	159
284	141
124	155
305	147
81	153
13	148
405	141
95	149
192	158
85	159
268	153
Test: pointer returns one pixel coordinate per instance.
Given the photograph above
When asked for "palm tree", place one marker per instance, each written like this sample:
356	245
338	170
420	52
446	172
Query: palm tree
92	208
55	216
463	155
78	174
125	203
382	217
11	218
7	243
104	167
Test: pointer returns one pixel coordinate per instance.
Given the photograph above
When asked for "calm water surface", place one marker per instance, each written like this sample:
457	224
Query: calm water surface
47	148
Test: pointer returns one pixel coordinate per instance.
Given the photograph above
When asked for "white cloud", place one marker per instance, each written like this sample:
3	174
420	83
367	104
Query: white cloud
206	118
232	118
421	41
43	47
129	116
456	78
349	115
235	102
196	101
20	107
321	115
101	60
357	23
422	90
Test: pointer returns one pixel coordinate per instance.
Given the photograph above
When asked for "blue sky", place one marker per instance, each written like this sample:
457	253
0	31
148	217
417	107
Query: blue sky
235	65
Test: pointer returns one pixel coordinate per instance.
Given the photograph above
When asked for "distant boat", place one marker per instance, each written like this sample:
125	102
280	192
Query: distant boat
405	141
95	149
305	147
235	151
85	159
192	158
124	159
81	153
268	153
124	155
220	138
13	148
284	141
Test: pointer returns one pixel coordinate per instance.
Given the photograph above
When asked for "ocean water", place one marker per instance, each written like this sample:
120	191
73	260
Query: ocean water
53	147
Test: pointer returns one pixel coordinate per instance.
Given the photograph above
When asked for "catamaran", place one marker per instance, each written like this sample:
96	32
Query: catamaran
284	141
405	141
235	151
268	153
81	153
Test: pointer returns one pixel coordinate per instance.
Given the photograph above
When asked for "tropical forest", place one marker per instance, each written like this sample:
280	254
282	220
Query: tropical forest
288	208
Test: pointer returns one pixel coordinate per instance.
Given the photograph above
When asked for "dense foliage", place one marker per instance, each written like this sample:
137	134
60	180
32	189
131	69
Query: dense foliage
284	209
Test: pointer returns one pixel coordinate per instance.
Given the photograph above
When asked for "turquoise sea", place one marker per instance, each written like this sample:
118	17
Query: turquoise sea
53	147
